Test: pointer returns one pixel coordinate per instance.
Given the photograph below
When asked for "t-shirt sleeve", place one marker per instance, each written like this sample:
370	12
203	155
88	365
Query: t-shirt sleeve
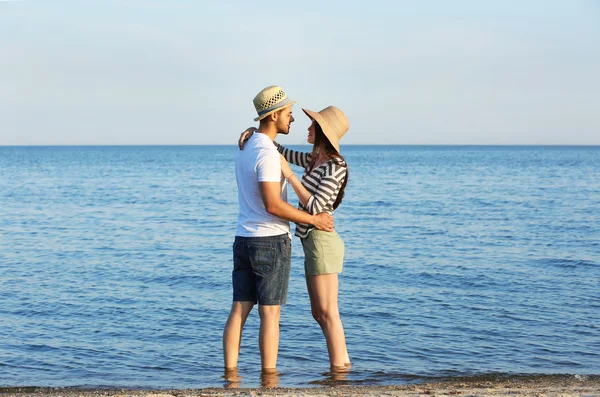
268	166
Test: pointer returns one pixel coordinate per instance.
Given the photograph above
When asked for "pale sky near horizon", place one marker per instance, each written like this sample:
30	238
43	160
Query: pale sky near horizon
404	72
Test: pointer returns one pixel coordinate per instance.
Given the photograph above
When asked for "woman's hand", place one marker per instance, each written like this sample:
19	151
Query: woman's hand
245	136
285	167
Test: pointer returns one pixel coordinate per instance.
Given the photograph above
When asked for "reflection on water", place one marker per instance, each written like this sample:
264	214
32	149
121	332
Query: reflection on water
232	378
337	376
269	378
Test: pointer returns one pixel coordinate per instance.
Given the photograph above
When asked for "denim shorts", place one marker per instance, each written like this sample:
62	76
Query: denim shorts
261	269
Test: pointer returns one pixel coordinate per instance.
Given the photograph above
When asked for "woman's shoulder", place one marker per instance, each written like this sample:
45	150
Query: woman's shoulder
336	166
337	162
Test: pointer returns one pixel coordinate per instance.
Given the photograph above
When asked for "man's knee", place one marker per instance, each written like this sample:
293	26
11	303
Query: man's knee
241	308
269	312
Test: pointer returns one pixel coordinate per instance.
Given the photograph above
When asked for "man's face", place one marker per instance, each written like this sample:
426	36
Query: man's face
284	120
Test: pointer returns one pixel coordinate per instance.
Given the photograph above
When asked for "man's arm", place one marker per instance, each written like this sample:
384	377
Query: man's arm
270	193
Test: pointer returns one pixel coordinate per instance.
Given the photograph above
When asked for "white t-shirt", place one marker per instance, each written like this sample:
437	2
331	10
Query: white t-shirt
258	162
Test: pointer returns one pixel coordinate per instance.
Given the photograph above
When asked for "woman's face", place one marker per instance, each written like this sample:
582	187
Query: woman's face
311	133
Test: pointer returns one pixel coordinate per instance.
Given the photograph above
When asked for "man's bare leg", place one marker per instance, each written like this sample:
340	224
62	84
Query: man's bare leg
232	334
268	338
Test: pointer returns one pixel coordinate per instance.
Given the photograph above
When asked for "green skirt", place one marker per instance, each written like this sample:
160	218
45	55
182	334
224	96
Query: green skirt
323	253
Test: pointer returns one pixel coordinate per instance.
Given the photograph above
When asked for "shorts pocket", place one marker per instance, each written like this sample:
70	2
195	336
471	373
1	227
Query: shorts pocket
263	259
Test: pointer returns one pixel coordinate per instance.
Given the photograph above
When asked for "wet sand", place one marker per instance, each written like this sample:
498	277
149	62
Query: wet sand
552	385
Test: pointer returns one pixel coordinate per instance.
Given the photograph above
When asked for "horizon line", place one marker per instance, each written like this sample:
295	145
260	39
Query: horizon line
306	144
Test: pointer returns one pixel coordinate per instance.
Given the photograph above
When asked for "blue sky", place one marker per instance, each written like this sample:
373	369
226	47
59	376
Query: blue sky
404	72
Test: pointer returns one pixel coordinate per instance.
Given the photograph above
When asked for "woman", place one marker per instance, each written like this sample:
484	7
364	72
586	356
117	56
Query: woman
321	190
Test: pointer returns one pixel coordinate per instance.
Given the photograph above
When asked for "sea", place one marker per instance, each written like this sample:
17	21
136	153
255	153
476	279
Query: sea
461	261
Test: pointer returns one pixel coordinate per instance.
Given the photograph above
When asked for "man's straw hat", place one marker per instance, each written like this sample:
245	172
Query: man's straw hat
333	123
270	100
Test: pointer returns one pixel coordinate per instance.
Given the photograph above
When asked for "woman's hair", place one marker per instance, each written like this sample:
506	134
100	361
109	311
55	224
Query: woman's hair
322	145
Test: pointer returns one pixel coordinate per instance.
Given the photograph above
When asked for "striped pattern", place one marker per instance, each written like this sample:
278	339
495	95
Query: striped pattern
323	183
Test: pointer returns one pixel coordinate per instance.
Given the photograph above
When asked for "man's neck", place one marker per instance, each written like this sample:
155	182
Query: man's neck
268	130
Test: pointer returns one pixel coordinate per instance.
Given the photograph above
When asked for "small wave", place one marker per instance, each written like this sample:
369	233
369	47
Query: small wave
42	348
378	203
154	368
568	263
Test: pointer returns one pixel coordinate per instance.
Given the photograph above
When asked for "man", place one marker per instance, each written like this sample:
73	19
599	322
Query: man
262	247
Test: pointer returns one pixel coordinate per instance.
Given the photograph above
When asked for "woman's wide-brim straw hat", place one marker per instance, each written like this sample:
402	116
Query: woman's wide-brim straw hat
270	100
333	122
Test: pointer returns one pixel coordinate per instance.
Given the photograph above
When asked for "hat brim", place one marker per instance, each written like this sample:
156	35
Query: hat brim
287	105
331	137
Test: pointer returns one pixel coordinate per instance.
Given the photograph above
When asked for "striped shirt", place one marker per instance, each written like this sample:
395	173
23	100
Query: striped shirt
323	183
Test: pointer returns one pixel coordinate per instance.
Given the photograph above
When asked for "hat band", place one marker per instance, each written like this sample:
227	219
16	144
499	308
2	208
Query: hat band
276	106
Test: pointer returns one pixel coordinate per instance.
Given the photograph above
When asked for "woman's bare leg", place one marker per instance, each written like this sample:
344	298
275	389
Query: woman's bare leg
323	293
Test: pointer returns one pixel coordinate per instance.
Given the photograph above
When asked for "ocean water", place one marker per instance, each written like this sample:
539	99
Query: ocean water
115	267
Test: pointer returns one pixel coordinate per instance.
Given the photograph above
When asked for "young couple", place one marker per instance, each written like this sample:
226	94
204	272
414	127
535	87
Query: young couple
262	247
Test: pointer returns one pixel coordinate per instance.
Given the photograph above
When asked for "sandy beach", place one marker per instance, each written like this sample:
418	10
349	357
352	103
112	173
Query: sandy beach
553	385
